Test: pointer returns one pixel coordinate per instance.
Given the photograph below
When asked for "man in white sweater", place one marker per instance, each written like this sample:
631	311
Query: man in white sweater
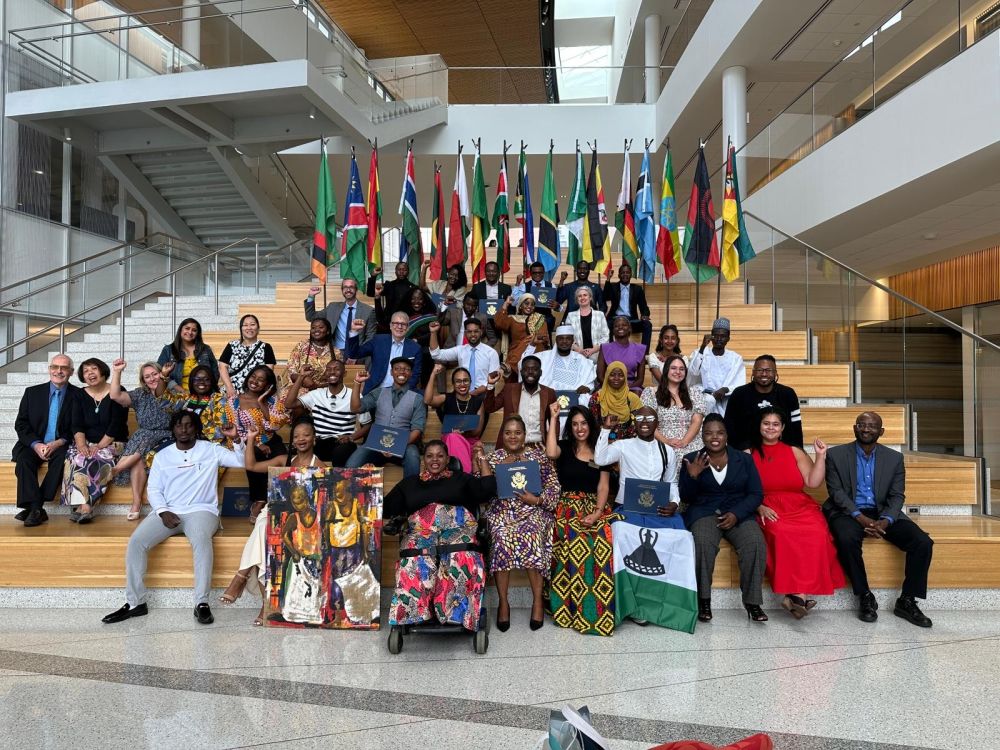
183	493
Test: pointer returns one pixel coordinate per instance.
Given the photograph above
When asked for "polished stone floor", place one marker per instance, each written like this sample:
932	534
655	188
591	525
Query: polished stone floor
163	681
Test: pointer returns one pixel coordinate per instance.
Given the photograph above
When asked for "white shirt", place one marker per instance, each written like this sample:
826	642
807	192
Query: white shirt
331	414
187	481
487	359
493	292
566	373
726	371
395	350
637	459
530	409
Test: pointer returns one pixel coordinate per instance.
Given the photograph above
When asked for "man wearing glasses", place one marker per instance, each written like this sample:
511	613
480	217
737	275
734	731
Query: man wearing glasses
44	431
383	348
743	413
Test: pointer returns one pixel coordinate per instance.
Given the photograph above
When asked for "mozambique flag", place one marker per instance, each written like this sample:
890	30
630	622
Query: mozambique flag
625	220
730	224
480	219
645	223
354	241
410	251
595	246
325	231
743	246
501	219
575	213
522	209
668	246
439	263
548	227
374	240
701	246
458	224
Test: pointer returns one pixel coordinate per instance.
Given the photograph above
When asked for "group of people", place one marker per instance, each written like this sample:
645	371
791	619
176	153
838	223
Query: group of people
559	362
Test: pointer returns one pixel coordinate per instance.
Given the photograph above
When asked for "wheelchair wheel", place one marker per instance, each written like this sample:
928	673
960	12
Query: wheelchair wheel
480	642
395	639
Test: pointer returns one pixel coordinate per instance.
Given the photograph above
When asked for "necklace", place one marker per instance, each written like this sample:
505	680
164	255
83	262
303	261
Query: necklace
458	405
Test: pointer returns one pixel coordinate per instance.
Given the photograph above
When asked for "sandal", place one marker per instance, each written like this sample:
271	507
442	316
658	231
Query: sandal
132	515
258	621
228	598
795	605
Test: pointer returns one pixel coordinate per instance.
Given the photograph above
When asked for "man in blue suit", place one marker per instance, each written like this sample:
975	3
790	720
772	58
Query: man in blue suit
383	348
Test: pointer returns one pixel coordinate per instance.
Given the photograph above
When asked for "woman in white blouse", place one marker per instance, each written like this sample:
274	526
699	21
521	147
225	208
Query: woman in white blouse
590	328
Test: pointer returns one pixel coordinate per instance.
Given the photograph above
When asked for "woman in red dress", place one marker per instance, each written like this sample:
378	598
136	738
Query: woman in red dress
801	558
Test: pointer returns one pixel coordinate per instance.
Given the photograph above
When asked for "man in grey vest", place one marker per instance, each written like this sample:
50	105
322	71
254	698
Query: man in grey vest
391	406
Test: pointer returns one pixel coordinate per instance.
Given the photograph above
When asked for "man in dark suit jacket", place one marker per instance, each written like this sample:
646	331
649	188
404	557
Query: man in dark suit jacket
635	308
492	288
343	313
567	292
866	482
44	431
383	348
454	317
389	297
533	408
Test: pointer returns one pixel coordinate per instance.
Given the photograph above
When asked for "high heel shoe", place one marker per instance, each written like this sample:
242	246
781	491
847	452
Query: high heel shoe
704	610
755	613
795	605
503	625
536	624
228	598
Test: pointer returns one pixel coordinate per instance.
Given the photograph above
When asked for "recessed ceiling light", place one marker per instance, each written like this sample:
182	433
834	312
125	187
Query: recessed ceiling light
930	236
37	171
837	42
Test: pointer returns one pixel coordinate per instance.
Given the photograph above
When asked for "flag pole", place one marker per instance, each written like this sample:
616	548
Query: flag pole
718	284
664	267
322	147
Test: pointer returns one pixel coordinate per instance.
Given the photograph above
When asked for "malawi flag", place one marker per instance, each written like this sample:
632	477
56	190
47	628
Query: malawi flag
501	219
354	241
439	263
548	226
480	219
668	245
374	239
576	213
458	225
325	231
654	575
730	223
596	249
625	219
410	251
701	246
645	223
522	209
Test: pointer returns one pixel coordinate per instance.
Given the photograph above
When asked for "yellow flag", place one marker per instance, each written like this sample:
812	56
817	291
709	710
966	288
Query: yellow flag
730	225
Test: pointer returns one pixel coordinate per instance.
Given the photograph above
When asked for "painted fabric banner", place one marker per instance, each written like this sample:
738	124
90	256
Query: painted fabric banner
324	549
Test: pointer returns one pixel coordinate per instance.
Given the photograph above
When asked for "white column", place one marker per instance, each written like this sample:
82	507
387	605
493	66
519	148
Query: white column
652	59
734	115
191	28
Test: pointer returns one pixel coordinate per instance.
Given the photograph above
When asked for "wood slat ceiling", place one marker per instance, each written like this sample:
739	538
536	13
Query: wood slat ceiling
502	33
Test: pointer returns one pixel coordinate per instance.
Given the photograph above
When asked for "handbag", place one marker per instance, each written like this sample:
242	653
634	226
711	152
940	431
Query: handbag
570	729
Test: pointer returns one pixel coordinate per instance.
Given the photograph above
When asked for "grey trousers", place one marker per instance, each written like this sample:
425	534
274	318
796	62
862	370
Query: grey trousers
751	554
199	527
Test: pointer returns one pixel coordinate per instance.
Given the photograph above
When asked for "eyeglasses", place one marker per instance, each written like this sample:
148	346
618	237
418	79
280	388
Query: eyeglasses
763	370
398	323
60	368
645	418
866	425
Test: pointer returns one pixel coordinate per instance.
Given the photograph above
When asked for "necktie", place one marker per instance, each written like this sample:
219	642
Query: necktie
50	429
472	365
350	320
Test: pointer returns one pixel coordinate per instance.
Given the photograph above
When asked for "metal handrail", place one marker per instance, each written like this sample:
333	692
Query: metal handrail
121	297
878	285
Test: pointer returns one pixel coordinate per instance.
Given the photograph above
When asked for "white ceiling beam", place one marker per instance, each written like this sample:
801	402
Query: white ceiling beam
136	140
175	122
208	118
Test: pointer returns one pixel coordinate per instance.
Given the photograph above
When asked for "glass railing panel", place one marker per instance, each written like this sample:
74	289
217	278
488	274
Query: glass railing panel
791	135
987	401
830	313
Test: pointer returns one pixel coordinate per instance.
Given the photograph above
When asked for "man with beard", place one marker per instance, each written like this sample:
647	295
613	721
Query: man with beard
529	399
330	408
763	390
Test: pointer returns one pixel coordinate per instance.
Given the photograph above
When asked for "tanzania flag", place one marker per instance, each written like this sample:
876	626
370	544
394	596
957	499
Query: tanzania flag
730	224
410	251
743	246
548	227
595	247
625	220
668	245
701	246
325	232
458	225
374	239
480	220
576	212
654	575
522	209
354	241
501	219
644	223
439	263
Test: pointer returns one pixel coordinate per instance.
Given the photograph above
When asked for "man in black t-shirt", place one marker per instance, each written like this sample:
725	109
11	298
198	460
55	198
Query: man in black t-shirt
763	390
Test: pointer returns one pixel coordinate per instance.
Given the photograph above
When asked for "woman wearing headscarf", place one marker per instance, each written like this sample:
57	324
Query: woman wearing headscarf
525	332
614	398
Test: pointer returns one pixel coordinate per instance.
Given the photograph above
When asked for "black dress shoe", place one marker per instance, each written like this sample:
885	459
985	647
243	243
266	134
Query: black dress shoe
906	607
35	517
868	608
536	624
203	614
21	515
704	610
125	613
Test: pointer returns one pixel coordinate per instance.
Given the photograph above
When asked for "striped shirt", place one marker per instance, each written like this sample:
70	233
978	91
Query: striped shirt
331	414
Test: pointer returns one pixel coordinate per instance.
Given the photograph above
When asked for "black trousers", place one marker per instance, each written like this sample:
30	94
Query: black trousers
26	466
848	535
644	326
334	452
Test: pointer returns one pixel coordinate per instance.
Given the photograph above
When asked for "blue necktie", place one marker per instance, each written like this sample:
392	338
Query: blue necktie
50	429
472	365
350	321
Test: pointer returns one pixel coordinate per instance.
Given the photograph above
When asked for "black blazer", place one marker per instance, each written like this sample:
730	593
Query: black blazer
740	492
637	307
841	481
479	289
33	416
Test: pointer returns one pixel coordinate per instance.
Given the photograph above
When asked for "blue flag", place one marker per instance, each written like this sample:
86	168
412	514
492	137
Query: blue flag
645	224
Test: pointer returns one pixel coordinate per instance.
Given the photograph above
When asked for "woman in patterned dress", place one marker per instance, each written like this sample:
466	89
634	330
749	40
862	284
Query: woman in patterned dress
523	329
243	354
521	527
680	409
441	508
582	593
668	343
311	356
615	398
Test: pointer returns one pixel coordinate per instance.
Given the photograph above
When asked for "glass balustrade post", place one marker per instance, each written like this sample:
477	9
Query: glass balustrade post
256	268
216	264
121	328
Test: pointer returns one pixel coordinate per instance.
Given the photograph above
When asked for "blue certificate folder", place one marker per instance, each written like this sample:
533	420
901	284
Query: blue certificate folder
391	440
460	422
543	295
523	476
235	502
438	299
490	307
567	400
645	496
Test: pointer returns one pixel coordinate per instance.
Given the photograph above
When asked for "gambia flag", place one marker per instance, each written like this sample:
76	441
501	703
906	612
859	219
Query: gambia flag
625	219
701	246
325	231
354	240
654	574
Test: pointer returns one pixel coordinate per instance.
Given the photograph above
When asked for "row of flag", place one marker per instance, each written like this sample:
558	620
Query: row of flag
469	224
